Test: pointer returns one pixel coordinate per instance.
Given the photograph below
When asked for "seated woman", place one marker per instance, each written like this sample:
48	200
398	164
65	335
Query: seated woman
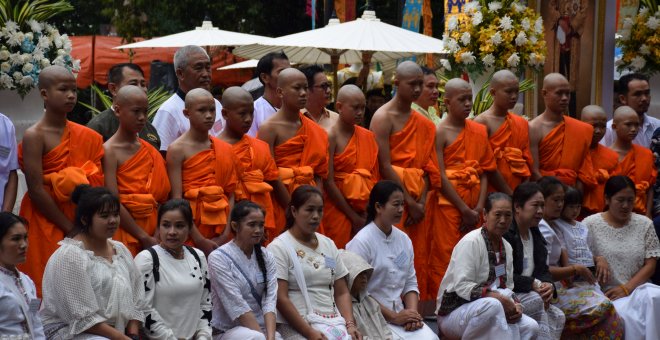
533	282
366	310
244	280
19	306
91	287
389	251
475	300
630	245
177	293
313	299
588	311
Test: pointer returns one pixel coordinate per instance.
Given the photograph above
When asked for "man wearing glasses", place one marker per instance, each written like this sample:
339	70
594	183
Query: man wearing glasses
319	95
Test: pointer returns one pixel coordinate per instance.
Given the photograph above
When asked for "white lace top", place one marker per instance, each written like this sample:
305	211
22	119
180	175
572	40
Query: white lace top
81	290
626	248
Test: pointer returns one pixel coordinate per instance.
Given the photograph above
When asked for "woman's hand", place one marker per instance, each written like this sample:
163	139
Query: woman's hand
313	334
406	316
516	315
353	332
413	326
615	293
585	273
545	289
603	272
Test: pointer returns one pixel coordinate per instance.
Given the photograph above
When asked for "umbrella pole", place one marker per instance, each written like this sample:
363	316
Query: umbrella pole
334	60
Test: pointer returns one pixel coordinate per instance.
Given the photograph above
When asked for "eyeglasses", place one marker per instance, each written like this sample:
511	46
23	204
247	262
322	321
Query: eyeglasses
324	86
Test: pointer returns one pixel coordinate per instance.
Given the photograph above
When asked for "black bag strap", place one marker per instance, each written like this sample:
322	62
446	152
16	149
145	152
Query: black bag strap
196	256
156	263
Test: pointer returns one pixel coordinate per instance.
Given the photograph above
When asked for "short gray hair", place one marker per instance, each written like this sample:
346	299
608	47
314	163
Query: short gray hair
181	56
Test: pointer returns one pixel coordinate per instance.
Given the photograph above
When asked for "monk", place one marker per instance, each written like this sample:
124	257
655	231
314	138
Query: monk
56	155
559	143
201	170
406	155
635	161
298	145
605	162
258	177
352	168
135	171
465	158
508	135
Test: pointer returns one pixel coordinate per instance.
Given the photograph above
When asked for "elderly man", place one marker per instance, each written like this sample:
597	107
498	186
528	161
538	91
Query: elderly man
193	70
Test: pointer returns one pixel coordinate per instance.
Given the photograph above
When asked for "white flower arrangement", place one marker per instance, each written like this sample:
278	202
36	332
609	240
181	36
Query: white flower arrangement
23	54
639	39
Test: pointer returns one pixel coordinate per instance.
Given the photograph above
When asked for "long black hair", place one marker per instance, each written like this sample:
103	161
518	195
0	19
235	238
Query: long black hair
380	194
91	200
238	213
298	198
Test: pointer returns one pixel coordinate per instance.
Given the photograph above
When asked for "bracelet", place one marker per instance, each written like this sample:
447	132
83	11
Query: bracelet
625	290
350	323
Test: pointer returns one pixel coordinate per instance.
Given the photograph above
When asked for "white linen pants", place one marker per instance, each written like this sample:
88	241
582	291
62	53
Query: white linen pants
424	333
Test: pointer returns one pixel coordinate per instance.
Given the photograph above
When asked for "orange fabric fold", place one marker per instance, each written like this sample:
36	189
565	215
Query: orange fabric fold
297	176
510	144
210	206
640	167
605	164
412	180
76	160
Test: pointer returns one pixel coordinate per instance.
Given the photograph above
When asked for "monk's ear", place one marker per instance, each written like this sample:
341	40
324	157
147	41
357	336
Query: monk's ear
117	109
185	112
44	94
338	106
492	92
279	92
224	113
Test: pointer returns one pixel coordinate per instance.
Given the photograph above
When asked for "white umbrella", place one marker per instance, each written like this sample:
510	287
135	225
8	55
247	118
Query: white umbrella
251	63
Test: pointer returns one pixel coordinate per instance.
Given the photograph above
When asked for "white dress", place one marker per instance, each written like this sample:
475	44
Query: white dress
575	239
19	306
626	249
81	290
178	306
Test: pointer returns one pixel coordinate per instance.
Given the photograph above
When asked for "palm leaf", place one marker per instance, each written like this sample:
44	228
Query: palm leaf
24	10
652	5
156	98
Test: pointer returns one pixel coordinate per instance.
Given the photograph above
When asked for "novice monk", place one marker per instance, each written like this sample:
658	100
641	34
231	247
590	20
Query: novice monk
255	168
352	168
406	155
464	156
56	155
201	170
635	161
560	144
605	162
135	171
298	145
508	135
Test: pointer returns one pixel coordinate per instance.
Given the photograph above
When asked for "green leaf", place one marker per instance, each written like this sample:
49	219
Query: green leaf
24	10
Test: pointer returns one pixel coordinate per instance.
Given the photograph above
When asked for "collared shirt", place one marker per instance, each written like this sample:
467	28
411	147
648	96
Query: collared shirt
8	153
327	117
646	129
107	124
18	301
263	110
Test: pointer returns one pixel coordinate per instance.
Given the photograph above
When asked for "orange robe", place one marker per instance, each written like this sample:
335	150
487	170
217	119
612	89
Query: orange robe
412	155
208	178
639	166
465	160
299	159
605	164
143	184
254	167
355	173
510	144
568	158
76	160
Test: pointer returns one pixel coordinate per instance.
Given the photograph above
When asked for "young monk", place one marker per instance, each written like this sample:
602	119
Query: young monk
257	173
201	170
135	171
406	155
298	145
352	168
605	162
56	155
560	144
465	158
635	161
508	135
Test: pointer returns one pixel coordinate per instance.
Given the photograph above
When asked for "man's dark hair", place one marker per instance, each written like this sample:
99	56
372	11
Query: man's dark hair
116	72
375	92
427	71
310	71
265	64
625	80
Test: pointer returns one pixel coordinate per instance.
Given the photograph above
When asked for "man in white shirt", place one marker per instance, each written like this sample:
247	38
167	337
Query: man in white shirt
268	69
634	91
8	164
193	70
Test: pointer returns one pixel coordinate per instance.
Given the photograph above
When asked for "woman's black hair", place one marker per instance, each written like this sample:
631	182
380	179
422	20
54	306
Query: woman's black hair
524	192
298	198
380	194
183	206
549	185
616	184
7	220
91	200
238	213
494	197
572	196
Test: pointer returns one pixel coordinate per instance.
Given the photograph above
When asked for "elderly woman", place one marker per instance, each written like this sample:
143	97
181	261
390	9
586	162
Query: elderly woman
630	245
475	300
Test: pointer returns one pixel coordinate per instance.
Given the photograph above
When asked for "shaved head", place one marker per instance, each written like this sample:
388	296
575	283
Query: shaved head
235	95
129	94
349	91
408	69
502	77
196	94
553	80
595	116
456	85
591	112
289	75
53	74
624	113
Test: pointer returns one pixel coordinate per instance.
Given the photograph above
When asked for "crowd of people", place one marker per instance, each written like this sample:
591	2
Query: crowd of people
278	218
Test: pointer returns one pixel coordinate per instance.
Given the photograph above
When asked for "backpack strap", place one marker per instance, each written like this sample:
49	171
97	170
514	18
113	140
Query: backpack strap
196	256
156	263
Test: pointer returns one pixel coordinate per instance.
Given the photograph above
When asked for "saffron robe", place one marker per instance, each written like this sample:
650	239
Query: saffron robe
355	173
208	178
466	158
510	145
568	159
640	167
605	164
142	183
76	160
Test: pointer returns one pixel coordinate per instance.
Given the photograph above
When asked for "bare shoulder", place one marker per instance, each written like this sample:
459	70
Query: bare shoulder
33	134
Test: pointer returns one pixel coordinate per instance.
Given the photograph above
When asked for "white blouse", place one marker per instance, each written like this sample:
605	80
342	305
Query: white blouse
552	243
81	290
178	306
19	306
232	296
576	240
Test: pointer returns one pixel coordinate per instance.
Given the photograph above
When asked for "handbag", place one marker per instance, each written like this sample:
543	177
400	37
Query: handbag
333	328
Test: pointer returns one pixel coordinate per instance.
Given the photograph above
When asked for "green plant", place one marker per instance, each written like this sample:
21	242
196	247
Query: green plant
23	10
156	97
